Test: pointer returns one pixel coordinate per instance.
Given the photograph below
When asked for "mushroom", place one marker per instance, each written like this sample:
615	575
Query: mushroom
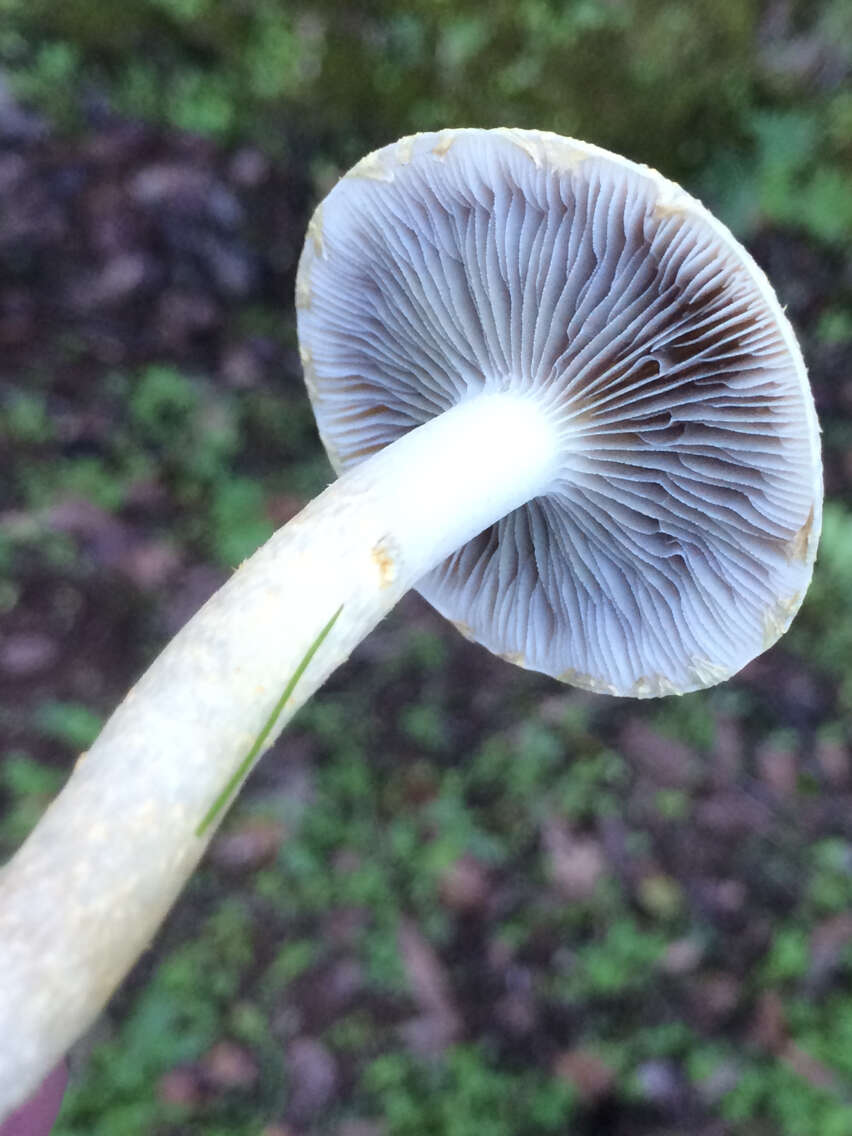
564	404
621	480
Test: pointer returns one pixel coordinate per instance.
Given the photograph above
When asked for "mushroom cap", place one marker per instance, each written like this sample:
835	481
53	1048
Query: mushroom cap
679	538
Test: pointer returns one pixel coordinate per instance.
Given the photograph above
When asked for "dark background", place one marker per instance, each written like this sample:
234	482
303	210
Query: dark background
456	898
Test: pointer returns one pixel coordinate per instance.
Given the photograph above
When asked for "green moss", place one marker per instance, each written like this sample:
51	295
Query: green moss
292	960
623	959
690	719
789	955
835	326
238	520
829	889
69	722
102	481
426	726
776	1093
29	787
24	418
162	403
464	1094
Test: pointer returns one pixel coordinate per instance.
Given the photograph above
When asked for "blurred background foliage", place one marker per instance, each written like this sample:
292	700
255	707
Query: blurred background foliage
710	94
455	898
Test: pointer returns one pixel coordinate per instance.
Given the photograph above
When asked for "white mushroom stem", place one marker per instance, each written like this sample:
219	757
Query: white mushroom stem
86	892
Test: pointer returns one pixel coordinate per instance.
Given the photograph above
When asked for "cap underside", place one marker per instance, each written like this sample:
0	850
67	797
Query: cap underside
679	537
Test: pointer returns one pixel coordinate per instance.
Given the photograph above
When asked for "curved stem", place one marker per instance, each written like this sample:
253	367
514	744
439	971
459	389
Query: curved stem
86	892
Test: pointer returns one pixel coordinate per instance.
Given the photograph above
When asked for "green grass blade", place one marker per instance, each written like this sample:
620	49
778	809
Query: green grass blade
244	766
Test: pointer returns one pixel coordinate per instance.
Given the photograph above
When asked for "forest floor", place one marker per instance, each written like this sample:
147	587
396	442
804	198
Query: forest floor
455	898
